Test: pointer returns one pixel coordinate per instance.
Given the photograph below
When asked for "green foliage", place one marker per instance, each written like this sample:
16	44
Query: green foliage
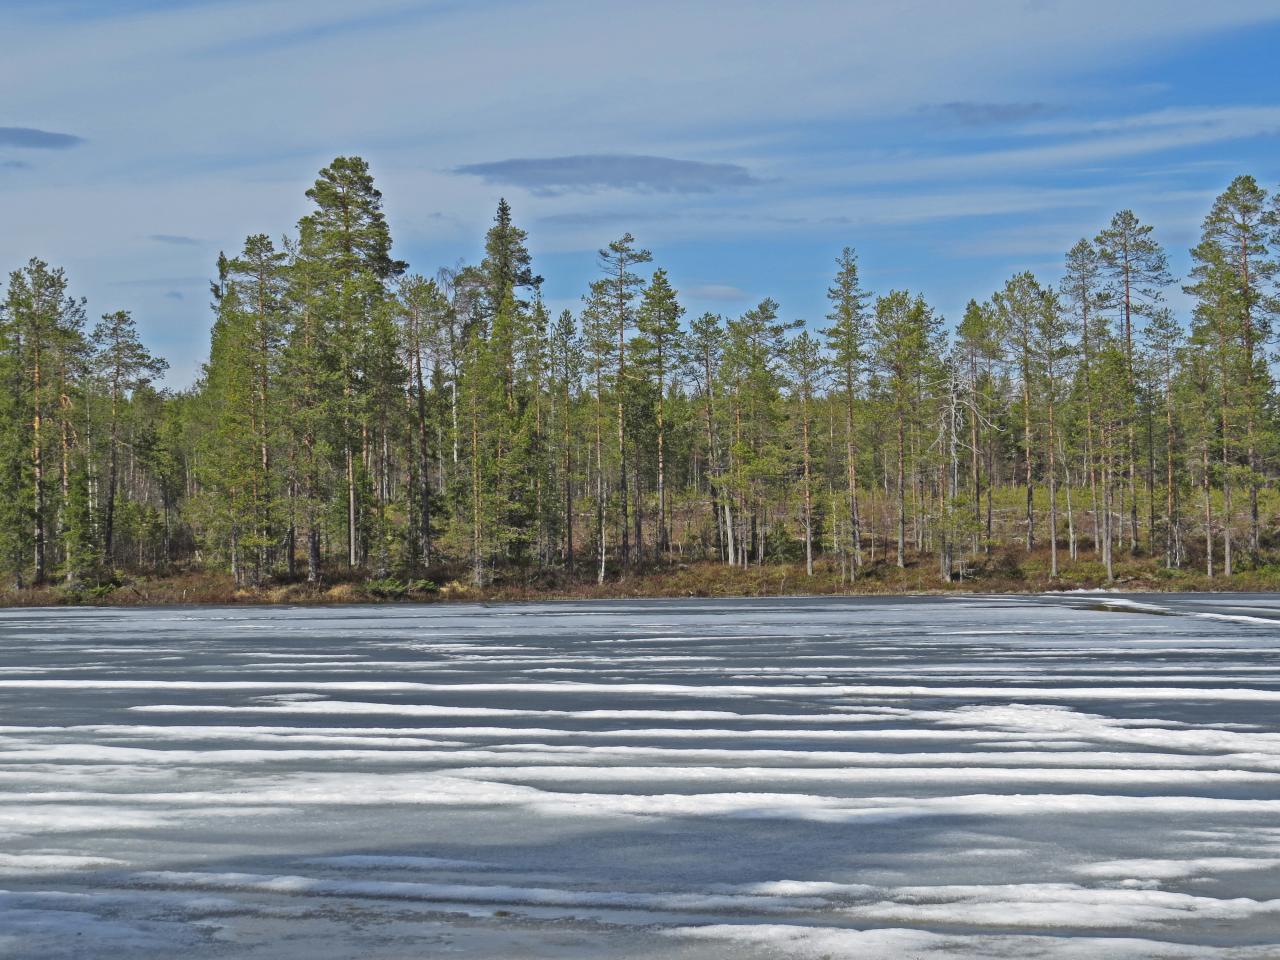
360	424
389	588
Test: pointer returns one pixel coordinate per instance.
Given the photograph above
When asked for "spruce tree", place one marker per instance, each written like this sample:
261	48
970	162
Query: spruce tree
658	321
345	246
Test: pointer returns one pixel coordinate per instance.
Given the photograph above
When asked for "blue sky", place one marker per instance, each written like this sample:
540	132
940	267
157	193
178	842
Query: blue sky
743	143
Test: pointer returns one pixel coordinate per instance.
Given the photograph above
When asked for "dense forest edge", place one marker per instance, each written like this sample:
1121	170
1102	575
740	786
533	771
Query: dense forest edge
362	432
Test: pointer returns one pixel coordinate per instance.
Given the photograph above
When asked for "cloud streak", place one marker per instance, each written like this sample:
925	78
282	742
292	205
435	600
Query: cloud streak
29	138
971	114
617	171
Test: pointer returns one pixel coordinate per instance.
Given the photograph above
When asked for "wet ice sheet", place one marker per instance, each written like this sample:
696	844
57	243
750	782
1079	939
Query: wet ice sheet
1060	777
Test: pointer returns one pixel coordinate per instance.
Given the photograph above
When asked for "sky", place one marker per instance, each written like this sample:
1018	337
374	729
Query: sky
744	143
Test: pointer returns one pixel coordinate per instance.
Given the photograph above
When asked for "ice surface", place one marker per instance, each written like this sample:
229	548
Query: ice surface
1065	777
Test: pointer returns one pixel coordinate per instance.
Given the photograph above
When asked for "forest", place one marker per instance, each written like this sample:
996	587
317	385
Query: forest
359	422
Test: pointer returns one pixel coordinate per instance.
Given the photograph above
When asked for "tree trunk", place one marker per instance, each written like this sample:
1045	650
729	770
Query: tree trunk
1053	493
1208	509
37	465
1026	436
902	495
808	496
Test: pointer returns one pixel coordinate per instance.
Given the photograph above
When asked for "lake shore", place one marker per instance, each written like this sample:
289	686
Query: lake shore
1008	571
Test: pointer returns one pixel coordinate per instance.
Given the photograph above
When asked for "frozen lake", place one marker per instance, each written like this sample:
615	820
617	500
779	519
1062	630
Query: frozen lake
1071	777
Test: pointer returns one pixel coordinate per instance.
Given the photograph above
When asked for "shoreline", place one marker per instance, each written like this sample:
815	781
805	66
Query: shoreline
675	582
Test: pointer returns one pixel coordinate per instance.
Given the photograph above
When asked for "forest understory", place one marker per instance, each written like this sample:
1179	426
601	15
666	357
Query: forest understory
1006	569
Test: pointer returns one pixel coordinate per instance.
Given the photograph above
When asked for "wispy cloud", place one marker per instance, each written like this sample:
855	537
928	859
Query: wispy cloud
826	147
175	239
32	139
549	175
1078	144
14	165
974	114
173	295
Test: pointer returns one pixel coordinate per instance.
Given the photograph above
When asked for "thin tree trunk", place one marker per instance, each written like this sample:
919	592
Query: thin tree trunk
1171	518
352	545
568	481
1053	492
808	497
1073	548
1026	435
1208	508
902	495
424	459
599	481
37	465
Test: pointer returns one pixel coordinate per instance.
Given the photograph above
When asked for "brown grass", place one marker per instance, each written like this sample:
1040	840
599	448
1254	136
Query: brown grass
1008	570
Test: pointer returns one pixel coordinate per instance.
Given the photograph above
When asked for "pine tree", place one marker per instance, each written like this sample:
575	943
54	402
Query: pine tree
124	365
566	373
1136	271
42	326
847	339
658	321
806	368
1020	305
1085	298
345	244
423	308
754	371
905	329
1234	266
981	345
610	301
704	353
1053	351
1162	341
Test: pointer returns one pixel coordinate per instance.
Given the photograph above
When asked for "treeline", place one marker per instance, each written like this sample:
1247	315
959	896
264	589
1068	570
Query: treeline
356	416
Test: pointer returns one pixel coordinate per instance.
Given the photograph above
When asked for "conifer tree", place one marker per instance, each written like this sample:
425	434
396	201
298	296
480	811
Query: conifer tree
1085	298
566	373
1052	352
658	321
704	353
1020	305
422	308
347	246
41	323
1136	271
610	301
1234	268
1162	341
847	339
806	368
981	347
124	365
905	328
